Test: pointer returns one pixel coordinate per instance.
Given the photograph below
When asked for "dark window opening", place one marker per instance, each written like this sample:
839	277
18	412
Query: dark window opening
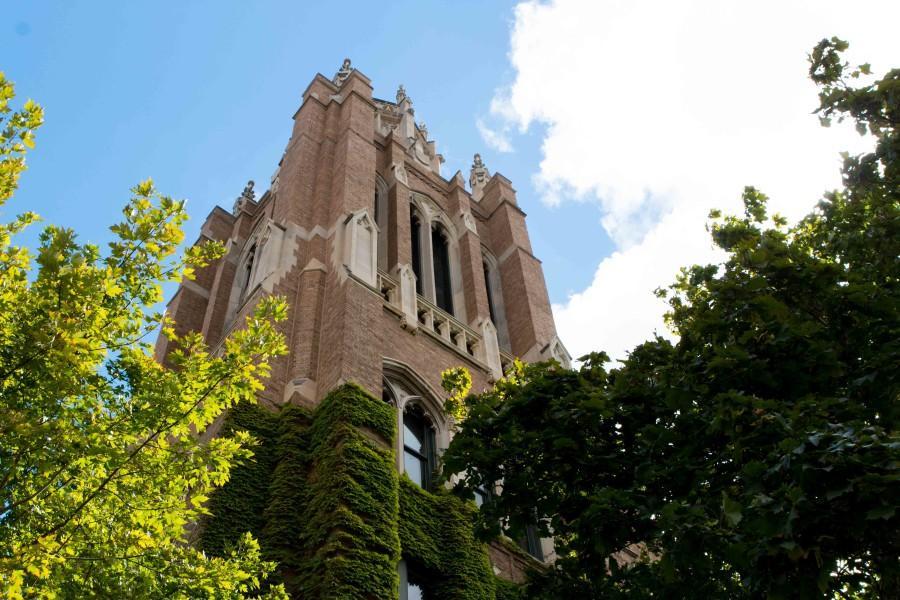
531	542
412	584
481	496
248	269
490	293
415	228
443	293
418	446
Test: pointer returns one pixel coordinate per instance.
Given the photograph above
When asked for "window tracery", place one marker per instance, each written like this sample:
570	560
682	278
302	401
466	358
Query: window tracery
435	256
422	426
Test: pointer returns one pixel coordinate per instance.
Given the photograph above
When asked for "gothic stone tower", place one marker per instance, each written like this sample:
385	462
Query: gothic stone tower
393	274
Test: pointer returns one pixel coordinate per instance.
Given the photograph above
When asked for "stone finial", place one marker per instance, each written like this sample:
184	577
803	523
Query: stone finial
424	129
401	94
478	177
343	73
248	191
248	195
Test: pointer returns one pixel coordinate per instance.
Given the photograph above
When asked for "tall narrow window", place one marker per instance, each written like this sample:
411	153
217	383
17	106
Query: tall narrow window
415	227
490	293
531	542
248	270
443	292
418	446
495	297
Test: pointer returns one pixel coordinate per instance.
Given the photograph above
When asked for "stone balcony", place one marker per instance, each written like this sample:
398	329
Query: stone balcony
423	315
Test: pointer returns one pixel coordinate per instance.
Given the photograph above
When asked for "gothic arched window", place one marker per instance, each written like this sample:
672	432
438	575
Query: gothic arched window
247	273
422	425
418	446
495	297
440	251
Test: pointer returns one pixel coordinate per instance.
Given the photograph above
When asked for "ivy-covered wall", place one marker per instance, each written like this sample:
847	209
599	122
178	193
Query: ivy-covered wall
436	537
324	498
239	506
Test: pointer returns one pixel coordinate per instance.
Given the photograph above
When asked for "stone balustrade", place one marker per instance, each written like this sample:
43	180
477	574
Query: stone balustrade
443	326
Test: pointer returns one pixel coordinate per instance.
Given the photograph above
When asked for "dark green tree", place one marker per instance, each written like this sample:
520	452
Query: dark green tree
757	456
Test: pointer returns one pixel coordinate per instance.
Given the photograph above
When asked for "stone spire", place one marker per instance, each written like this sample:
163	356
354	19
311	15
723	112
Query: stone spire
343	73
478	177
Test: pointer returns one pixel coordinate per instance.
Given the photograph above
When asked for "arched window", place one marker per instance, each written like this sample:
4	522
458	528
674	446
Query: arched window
423	427
495	297
440	250
415	230
247	271
418	445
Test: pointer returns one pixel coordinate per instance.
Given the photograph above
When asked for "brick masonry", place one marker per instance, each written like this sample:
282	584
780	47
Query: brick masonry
340	327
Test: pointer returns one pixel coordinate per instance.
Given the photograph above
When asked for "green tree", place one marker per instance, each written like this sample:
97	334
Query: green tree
756	457
102	470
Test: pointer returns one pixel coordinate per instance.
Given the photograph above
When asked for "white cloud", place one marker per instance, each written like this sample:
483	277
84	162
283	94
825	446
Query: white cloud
497	140
662	110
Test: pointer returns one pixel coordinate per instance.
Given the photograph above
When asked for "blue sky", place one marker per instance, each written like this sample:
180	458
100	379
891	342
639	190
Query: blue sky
621	124
199	96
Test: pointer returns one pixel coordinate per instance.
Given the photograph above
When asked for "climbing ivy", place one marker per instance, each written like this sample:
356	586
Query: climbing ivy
324	498
436	535
348	546
507	590
238	507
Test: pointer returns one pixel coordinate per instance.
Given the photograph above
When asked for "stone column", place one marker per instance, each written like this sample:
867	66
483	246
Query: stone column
476	299
528	314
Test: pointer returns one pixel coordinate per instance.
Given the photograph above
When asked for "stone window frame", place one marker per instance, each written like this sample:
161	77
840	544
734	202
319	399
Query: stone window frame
494	289
242	289
405	388
431	216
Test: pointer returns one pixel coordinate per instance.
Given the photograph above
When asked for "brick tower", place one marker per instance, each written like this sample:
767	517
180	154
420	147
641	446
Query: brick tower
393	274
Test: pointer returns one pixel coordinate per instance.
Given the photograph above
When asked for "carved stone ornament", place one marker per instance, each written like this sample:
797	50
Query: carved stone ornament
478	177
469	221
557	351
361	246
248	191
404	274
401	94
489	349
343	73
248	195
399	172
